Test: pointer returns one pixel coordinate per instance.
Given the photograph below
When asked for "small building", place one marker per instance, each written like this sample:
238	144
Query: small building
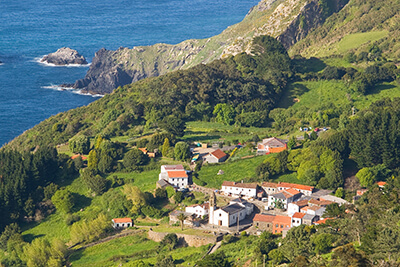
162	184
381	184
270	188
296	206
310	219
335	199
304	189
239	189
264	222
215	156
175	175
283	198
229	215
271	145
281	222
297	218
122	222
198	210
190	220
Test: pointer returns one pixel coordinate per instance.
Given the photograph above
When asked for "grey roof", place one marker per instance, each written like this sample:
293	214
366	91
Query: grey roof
233	208
335	199
163	183
279	195
308	217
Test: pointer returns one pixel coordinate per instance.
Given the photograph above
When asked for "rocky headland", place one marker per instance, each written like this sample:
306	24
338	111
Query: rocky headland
64	56
289	21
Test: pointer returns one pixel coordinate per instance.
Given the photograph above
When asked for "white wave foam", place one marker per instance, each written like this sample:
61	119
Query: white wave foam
70	89
39	60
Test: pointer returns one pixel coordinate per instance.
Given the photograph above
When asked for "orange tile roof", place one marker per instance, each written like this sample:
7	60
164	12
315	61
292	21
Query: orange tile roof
314	208
381	184
301	203
122	220
264	218
296	186
281	219
305	208
143	149
219	154
79	155
323	221
228	183
269	184
177	174
292	191
298	215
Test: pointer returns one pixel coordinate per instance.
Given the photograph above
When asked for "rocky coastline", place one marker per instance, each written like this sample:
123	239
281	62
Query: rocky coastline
64	56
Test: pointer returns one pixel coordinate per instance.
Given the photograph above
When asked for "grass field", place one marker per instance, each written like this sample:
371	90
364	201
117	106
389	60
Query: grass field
102	254
233	171
355	40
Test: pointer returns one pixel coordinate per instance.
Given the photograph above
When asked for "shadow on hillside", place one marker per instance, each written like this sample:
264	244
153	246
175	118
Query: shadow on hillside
81	201
202	137
380	87
30	237
304	65
292	95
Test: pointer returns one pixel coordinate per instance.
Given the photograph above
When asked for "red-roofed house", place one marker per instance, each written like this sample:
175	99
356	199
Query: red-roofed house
271	145
215	156
381	184
297	218
122	222
175	175
239	189
281	222
264	222
270	188
305	189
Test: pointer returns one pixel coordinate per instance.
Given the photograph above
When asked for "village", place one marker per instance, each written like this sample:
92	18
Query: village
275	207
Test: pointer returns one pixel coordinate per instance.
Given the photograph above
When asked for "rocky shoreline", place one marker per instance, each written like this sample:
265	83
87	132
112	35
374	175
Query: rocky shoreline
64	56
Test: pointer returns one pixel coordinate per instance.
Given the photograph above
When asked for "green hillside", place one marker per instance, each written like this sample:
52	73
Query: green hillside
354	29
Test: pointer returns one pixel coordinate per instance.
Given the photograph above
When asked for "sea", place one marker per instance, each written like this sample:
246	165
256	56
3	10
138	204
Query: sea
30	29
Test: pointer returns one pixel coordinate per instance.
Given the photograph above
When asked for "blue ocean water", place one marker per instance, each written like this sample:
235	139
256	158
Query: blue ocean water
30	29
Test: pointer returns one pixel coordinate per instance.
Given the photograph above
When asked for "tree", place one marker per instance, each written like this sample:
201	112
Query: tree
161	193
182	217
217	259
165	147
292	142
182	151
63	200
134	194
79	144
135	158
41	253
322	243
347	255
11	232
224	113
366	176
174	125
178	197
170	240
165	261
93	159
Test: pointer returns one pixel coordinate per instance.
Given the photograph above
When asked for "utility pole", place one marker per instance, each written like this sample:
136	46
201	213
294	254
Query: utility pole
238	223
264	260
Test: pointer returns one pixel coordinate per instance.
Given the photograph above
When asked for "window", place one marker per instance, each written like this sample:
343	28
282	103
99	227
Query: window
293	221
281	225
220	215
276	225
276	231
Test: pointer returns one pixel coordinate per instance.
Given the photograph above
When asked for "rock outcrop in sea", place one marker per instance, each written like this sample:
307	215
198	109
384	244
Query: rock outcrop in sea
289	21
64	56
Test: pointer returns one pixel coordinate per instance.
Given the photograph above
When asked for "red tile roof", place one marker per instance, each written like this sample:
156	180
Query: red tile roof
219	154
381	184
240	185
301	203
323	221
269	184
298	215
281	219
177	174
79	155
292	191
122	220
264	218
296	186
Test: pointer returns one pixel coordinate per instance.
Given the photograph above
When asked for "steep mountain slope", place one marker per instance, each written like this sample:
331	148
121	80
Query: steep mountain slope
358	25
288	20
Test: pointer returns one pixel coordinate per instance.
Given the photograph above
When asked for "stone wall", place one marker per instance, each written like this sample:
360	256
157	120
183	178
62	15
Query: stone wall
190	240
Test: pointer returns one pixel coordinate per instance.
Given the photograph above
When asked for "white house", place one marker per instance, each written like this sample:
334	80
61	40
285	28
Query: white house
228	215
175	175
122	222
198	210
304	189
296	206
270	188
239	189
215	156
271	145
283	198
297	218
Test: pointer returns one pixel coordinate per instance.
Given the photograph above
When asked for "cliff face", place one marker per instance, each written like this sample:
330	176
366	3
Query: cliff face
288	20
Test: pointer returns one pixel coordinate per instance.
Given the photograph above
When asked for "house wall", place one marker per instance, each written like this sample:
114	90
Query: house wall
121	225
221	218
179	182
248	192
292	208
271	202
278	227
210	159
265	226
270	190
296	222
198	210
191	240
